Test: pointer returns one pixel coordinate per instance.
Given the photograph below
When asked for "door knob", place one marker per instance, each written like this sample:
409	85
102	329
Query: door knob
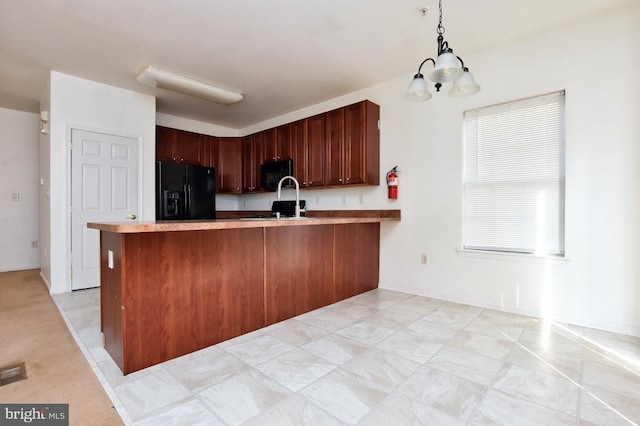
132	216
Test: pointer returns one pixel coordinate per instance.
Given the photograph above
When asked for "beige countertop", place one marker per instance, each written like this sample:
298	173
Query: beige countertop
204	225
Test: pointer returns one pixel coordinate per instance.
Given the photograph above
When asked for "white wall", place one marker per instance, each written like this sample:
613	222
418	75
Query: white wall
82	104
600	285
18	175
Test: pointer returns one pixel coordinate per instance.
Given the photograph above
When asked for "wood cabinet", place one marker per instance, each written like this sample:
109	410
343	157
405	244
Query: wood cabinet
316	153
229	166
165	140
252	155
336	148
356	259
209	157
171	293
178	145
353	145
277	143
308	143
336	151
298	268
164	294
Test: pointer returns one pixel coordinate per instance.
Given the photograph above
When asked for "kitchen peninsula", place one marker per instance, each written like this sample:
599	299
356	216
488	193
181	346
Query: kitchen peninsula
171	288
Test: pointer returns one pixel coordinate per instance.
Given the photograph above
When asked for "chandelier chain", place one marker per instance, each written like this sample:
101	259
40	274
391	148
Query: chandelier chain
440	29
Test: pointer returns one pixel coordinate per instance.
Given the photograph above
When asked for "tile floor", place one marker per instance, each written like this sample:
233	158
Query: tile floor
380	358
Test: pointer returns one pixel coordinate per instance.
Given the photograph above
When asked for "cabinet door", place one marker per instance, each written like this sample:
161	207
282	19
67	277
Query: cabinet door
354	144
229	167
284	149
316	151
299	146
269	145
209	157
165	139
356	259
251	160
335	147
187	148
297	282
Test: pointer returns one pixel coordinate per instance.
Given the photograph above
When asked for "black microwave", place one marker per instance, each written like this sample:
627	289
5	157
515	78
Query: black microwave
271	173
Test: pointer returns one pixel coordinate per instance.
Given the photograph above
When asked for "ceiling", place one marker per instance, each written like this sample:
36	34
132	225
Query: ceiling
282	55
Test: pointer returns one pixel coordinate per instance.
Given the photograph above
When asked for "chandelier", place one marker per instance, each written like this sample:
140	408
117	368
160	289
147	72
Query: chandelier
446	68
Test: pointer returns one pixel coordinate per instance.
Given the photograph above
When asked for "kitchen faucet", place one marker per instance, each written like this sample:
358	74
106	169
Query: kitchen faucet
297	193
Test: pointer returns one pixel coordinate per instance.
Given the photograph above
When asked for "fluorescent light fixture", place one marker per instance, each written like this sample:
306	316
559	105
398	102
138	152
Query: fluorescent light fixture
154	77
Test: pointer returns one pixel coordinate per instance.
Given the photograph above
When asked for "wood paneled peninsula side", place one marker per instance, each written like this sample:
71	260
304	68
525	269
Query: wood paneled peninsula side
171	288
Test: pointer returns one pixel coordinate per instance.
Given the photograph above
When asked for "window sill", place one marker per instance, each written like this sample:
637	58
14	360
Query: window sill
514	257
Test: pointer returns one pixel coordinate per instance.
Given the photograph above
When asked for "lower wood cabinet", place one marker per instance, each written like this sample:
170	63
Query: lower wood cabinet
297	270
166	294
356	259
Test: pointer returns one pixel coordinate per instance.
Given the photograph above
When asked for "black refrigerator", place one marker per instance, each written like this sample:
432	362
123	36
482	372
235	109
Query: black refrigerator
185	191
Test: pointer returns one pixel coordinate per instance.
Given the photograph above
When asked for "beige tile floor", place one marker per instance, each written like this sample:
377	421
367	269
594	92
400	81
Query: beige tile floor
380	358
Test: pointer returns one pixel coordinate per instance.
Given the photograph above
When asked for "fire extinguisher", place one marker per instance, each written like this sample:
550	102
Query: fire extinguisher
392	183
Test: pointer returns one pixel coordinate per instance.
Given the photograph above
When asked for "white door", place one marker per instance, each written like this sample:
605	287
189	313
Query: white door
104	188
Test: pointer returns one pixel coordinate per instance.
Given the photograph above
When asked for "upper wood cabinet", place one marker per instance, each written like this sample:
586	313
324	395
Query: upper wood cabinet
353	145
315	152
252	155
336	148
308	143
178	145
209	152
277	143
229	166
165	139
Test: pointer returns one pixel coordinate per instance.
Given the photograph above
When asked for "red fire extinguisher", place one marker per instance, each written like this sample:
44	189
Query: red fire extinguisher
392	183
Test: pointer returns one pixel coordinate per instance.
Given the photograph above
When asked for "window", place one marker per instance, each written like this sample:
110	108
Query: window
514	176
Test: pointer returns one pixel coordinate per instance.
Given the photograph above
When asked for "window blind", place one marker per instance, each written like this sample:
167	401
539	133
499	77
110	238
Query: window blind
514	176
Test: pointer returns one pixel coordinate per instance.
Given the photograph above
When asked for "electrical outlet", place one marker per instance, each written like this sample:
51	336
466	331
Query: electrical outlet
15	196
424	259
34	244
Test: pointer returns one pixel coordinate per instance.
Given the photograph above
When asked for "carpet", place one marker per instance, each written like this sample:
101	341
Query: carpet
33	331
